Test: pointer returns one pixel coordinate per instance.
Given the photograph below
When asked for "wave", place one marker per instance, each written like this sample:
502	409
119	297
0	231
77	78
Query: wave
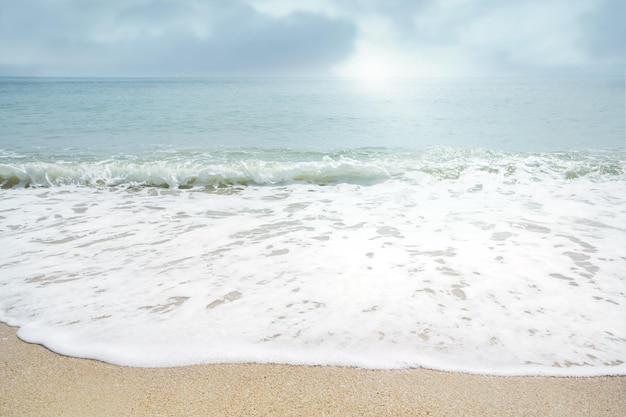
168	175
364	166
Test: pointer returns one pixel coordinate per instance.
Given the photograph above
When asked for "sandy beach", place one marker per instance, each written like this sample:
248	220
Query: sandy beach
38	382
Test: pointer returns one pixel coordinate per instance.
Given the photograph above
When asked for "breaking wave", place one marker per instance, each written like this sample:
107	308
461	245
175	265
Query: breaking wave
190	170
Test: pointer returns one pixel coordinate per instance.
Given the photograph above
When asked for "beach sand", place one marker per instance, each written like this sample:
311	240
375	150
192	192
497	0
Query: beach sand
37	382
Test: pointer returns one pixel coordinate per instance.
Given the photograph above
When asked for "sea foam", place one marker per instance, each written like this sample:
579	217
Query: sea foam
464	260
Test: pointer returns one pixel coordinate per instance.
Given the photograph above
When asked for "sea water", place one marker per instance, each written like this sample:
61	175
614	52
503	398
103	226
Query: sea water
474	225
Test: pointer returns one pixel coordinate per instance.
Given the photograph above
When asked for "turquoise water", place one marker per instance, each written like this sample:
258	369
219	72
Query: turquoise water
474	225
138	116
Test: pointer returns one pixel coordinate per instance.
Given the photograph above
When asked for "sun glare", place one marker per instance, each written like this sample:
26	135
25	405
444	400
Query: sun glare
370	65
379	64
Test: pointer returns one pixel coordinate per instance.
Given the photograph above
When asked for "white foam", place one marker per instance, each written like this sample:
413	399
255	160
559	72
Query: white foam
174	174
519	271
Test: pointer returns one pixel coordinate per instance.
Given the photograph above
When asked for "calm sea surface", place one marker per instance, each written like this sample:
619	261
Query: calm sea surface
476	225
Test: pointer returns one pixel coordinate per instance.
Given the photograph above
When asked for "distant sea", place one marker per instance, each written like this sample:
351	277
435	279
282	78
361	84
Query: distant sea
473	225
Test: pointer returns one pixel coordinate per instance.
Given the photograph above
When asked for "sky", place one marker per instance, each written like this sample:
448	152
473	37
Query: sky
353	38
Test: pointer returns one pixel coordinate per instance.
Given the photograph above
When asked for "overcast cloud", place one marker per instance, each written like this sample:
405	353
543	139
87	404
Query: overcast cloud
311	37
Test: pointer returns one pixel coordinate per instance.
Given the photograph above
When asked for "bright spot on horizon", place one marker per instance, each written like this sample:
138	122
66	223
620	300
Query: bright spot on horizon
377	63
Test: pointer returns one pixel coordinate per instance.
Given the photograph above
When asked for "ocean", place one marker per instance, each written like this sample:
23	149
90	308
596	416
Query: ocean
473	225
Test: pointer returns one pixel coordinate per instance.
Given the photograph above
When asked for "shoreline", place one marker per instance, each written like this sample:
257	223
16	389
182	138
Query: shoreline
37	381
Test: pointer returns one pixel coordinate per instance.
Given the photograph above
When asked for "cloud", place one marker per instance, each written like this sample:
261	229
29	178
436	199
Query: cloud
312	37
488	37
606	32
170	38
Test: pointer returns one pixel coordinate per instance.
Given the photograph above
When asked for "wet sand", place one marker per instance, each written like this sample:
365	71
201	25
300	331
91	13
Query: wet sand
37	382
